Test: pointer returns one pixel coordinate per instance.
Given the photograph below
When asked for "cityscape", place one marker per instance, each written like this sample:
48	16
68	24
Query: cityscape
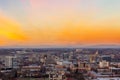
59	39
60	64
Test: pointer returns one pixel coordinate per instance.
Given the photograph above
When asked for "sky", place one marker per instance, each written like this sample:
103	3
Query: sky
46	23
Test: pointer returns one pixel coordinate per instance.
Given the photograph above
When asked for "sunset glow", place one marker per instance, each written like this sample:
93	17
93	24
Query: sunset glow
59	22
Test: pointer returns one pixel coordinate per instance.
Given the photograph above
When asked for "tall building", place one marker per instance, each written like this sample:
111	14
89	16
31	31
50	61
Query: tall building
9	61
95	57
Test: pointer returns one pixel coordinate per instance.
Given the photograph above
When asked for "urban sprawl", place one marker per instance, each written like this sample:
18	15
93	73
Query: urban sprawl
60	64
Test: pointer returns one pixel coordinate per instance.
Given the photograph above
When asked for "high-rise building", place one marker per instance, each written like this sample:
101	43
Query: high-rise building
9	61
95	57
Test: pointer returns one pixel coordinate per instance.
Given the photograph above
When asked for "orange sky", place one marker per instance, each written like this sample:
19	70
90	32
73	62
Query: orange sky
59	23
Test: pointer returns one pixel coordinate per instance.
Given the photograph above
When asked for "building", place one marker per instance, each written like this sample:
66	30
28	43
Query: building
103	64
106	57
11	62
8	61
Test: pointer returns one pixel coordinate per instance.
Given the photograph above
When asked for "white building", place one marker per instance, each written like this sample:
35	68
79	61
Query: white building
64	63
11	62
103	64
116	78
97	76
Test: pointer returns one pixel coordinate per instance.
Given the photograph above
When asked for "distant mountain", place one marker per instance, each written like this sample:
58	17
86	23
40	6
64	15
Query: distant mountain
68	46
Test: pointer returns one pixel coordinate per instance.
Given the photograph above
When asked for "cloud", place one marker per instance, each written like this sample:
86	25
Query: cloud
10	30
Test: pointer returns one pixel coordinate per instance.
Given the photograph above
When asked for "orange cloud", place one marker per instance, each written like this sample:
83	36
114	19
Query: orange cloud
90	34
62	31
10	31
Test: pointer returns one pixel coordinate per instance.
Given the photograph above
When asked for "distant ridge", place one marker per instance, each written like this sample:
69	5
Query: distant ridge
67	46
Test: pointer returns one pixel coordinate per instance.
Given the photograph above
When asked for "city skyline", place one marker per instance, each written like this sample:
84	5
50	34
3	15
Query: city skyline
69	23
